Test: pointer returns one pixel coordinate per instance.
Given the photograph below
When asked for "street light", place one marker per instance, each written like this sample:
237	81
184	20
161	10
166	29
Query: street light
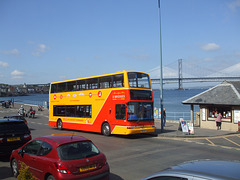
161	69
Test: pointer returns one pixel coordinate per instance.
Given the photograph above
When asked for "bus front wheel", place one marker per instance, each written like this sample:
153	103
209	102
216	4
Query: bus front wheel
106	129
59	124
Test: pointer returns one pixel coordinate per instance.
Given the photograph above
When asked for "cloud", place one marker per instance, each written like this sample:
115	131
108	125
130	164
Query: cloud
210	47
41	48
14	52
3	64
16	74
234	5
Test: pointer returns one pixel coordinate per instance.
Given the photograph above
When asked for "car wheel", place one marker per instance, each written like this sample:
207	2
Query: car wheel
50	177
14	167
59	124
106	129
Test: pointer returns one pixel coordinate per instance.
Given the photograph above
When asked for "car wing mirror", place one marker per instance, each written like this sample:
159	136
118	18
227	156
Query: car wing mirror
21	152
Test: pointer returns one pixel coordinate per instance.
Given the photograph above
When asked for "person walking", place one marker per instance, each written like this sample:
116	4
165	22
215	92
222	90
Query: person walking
164	116
219	121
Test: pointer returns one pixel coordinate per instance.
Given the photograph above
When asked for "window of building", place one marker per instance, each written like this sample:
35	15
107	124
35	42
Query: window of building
225	111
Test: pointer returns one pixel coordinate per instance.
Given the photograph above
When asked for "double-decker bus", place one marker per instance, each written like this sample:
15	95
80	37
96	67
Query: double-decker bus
117	103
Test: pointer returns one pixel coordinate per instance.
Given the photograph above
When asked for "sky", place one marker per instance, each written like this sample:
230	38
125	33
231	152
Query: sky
47	41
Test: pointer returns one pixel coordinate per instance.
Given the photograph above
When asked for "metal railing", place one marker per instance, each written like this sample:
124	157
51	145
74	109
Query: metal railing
175	116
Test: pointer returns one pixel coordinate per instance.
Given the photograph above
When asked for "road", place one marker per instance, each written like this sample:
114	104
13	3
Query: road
134	157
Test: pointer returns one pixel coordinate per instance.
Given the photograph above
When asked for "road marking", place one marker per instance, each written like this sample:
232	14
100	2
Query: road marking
210	141
193	140
38	123
231	141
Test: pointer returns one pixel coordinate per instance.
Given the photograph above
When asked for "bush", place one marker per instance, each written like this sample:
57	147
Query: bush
24	173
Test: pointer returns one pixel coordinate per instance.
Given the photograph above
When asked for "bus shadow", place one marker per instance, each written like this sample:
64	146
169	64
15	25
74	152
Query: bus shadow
114	177
136	136
131	136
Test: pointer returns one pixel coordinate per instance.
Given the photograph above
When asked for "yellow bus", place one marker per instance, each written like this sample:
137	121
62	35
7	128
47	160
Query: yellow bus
117	103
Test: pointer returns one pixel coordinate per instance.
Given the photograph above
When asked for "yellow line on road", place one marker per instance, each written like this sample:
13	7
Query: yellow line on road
210	141
232	141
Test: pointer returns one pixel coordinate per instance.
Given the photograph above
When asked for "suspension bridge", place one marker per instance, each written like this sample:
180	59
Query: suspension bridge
187	72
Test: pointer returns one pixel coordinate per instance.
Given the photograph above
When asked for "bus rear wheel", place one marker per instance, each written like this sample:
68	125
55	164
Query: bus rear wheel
106	129
59	124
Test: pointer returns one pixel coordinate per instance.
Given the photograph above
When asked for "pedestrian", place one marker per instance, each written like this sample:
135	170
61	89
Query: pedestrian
21	111
219	121
164	116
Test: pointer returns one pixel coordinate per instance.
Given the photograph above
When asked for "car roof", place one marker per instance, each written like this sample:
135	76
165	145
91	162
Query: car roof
10	120
208	168
13	115
60	139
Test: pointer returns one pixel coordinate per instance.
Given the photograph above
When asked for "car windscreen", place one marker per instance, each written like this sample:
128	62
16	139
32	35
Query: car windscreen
77	150
15	126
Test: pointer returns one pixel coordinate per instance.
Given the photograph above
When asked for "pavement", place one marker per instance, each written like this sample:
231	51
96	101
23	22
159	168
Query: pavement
171	129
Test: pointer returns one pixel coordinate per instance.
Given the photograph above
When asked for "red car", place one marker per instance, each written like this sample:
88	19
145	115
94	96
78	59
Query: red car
61	156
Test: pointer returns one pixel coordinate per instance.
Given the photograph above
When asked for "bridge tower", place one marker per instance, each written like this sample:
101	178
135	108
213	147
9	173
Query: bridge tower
180	76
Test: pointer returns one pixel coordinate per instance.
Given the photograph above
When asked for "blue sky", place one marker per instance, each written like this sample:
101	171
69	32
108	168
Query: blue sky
45	41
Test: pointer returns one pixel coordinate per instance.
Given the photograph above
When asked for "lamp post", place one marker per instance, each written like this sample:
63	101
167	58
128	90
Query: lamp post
161	69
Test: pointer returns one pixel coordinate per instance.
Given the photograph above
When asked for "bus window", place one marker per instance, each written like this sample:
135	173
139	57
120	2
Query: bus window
54	88
70	111
73	111
81	85
59	110
140	94
61	87
139	80
118	80
105	82
92	83
71	86
120	111
140	111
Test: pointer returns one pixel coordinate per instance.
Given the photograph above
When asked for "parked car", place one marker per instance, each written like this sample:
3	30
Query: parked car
19	117
200	170
13	134
61	156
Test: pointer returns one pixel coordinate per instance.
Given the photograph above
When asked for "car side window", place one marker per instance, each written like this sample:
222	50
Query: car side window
32	148
168	178
45	149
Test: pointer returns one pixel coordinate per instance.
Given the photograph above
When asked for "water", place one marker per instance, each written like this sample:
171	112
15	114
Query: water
34	99
172	101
